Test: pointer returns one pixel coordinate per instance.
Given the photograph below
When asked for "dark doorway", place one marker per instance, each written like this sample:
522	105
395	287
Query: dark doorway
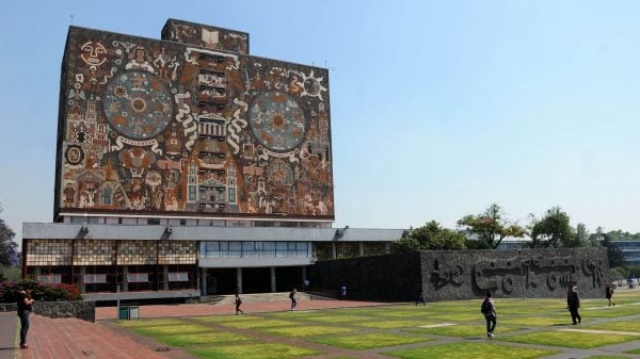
256	280
221	281
287	278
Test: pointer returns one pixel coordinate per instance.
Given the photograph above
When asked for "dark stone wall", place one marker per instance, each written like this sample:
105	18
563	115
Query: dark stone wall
450	275
73	309
539	273
387	278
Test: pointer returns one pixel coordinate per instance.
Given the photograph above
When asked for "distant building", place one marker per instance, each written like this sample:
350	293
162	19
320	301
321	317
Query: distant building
513	243
187	167
631	251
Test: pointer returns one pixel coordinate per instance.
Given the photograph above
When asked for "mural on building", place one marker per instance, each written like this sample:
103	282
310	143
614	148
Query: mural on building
157	126
207	36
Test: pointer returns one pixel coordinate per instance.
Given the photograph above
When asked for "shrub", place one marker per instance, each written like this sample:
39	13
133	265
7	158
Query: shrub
42	292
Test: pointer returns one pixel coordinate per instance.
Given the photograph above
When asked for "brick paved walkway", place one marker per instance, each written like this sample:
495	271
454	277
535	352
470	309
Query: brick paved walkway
70	338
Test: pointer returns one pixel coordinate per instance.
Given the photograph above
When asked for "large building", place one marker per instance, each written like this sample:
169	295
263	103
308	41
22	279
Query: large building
187	167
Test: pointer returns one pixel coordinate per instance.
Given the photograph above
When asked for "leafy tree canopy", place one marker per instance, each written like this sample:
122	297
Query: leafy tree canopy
429	237
8	254
553	230
490	227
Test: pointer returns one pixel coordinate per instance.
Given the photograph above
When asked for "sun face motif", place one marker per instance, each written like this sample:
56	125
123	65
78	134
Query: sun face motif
277	121
312	86
93	53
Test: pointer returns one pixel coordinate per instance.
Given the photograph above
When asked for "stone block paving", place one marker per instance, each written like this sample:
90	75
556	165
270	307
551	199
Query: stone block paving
70	338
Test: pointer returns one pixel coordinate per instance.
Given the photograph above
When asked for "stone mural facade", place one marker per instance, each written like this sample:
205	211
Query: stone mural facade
447	275
211	37
191	125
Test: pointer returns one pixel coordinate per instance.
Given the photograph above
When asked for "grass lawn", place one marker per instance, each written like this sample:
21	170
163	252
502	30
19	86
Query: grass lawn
554	320
171	329
332	318
570	339
207	338
463	330
622	326
466	350
150	322
391	324
371	340
306	331
252	351
382	329
260	323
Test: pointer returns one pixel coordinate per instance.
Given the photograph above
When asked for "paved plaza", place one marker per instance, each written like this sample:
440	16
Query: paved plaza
70	338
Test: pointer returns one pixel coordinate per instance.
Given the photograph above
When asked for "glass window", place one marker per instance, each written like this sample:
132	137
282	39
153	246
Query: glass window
49	279
281	249
178	277
137	277
235	249
95	278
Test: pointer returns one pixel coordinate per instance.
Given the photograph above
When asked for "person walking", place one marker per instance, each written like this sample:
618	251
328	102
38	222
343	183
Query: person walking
238	304
608	292
343	291
292	296
25	307
488	309
422	298
573	302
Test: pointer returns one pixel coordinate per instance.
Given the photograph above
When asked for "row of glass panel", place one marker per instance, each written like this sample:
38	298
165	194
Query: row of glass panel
255	249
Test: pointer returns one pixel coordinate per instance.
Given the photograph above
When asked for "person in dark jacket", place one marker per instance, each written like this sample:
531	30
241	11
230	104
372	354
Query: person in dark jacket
238	304
25	307
608	293
294	301
488	309
573	302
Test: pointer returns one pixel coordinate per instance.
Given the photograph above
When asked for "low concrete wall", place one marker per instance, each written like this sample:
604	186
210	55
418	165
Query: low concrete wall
467	274
71	309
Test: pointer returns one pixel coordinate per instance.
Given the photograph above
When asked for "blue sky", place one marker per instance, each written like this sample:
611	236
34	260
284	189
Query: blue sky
439	108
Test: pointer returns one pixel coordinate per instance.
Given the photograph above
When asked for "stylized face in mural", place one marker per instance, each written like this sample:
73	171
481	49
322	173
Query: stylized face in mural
138	105
93	53
312	85
277	121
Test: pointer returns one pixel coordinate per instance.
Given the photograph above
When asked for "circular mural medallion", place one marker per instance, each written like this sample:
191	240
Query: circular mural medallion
138	105
280	174
277	121
74	155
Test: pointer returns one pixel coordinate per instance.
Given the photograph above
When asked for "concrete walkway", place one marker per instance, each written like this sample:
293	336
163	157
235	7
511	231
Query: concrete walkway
8	332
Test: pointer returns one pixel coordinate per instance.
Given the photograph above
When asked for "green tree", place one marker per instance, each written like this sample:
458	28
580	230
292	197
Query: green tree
490	227
7	245
553	230
431	236
583	236
616	257
406	244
